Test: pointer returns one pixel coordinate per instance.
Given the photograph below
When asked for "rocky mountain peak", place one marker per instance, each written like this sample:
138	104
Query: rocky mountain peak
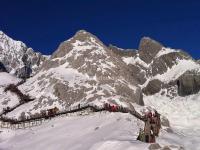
83	33
148	48
146	41
8	44
81	41
17	58
84	69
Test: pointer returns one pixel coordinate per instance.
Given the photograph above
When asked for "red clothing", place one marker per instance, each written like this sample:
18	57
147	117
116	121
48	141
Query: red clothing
112	108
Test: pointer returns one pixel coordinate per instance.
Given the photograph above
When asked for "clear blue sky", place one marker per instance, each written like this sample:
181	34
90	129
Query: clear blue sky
43	24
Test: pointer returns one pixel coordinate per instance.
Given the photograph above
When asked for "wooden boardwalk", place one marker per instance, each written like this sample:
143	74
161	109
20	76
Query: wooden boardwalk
35	121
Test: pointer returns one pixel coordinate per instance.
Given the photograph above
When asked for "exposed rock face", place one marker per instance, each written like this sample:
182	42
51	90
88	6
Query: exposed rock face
166	66
152	61
153	87
86	53
139	96
24	72
189	83
148	49
137	72
18	58
123	52
127	55
161	64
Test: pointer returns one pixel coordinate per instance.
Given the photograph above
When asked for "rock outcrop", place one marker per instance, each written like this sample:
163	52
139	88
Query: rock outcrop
153	87
189	83
148	49
161	64
123	52
164	66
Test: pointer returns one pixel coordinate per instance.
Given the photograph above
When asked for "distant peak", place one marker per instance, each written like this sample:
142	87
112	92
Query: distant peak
148	49
83	35
81	38
82	32
146	39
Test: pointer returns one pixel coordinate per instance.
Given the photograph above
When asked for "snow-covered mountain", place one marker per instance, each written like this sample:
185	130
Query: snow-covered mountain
83	70
17	58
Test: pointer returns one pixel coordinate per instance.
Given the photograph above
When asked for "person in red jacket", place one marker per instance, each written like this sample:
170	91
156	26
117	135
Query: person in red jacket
112	108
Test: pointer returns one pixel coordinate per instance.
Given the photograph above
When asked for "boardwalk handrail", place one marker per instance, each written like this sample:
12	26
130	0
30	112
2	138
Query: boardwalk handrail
94	109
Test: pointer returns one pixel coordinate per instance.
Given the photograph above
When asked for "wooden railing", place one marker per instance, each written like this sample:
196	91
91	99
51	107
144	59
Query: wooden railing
17	123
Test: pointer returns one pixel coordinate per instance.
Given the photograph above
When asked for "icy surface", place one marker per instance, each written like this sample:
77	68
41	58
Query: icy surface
95	132
6	79
99	131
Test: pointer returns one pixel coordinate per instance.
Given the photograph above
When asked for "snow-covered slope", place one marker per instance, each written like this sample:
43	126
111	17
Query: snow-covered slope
165	51
7	79
17	58
99	131
7	99
183	114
